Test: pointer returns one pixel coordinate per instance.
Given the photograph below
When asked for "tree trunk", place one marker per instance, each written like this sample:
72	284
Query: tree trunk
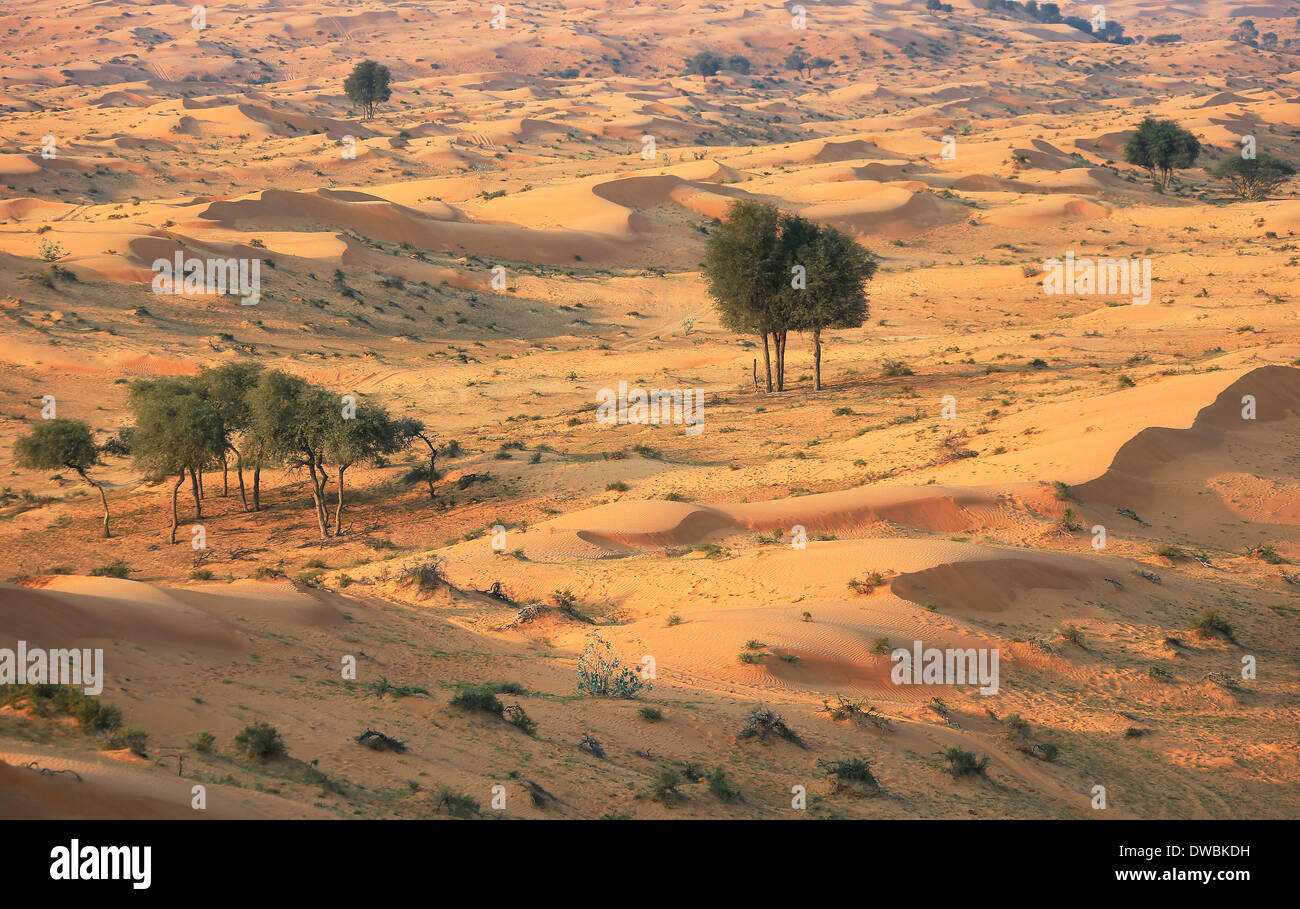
176	491
780	360
433	456
102	498
338	509
225	476
767	362
315	495
257	485
817	359
239	472
194	488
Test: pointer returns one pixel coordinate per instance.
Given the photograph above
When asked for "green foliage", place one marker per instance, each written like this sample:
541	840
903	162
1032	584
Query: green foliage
56	444
1252	179
964	763
602	674
367	86
260	741
1160	147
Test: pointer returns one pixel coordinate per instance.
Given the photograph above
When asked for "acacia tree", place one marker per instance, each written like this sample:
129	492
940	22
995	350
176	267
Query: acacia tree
67	444
797	60
833	293
176	431
1255	178
1160	147
411	428
226	389
368	86
367	436
704	64
745	268
292	422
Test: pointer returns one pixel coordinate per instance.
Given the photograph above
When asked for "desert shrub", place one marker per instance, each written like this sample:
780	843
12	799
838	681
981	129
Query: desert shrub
478	697
1211	622
377	741
260	741
652	714
964	763
114	570
1170	551
602	674
721	787
427	575
1070	632
664	789
383	687
515	716
204	743
853	773
203	574
1267	553
131	737
763	724
456	804
868	584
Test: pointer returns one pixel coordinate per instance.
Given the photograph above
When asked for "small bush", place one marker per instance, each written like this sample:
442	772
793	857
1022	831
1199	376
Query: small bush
601	674
721	787
455	804
478	697
1211	622
260	741
763	724
665	786
115	570
652	714
964	763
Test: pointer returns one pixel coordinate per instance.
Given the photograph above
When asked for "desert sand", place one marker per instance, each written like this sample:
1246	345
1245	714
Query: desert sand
522	148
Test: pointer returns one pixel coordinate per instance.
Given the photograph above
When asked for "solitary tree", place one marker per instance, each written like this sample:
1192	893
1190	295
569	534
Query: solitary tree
1255	178
833	292
1160	147
67	444
368	86
176	432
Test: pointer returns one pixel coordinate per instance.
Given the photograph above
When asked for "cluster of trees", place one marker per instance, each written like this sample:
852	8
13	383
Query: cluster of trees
799	61
367	86
1247	33
1050	14
707	63
1160	147
188	425
770	273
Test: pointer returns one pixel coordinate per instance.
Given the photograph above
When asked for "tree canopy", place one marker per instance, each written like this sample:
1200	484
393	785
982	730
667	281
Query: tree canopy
769	273
367	86
61	444
1160	147
1252	179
